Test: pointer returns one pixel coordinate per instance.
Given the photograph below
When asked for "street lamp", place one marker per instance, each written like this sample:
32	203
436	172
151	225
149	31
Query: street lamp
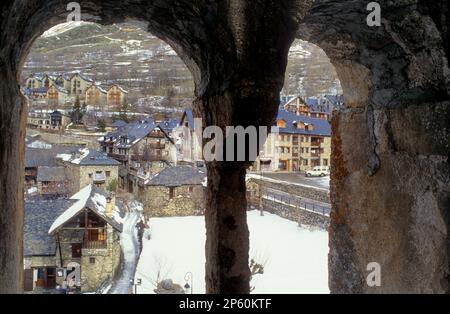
189	288
137	283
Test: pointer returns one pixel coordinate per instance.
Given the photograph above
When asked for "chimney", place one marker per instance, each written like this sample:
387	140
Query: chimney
110	204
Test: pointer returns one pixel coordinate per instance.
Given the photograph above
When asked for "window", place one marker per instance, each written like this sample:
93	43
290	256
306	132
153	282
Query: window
92	260
171	192
108	173
191	189
76	250
325	162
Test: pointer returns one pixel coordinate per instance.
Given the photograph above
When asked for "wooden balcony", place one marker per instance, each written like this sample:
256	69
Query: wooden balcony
95	244
157	146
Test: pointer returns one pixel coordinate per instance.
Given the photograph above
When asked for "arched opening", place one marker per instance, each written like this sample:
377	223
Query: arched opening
103	103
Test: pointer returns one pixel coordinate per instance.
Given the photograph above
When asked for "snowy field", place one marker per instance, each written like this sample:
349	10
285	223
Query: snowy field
295	258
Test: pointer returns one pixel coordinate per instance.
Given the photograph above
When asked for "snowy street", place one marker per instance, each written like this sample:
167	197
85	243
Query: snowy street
130	252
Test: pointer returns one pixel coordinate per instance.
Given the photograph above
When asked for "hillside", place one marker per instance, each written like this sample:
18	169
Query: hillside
148	67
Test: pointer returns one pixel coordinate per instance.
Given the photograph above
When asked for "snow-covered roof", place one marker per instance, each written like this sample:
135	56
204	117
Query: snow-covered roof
92	198
86	156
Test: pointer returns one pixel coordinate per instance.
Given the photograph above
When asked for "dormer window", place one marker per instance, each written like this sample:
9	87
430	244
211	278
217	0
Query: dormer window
281	123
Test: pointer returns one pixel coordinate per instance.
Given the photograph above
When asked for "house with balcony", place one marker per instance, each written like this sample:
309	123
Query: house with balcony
115	96
57	96
89	167
142	148
320	107
76	238
96	96
299	144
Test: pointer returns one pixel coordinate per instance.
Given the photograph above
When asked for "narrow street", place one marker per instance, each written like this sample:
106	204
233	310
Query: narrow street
130	251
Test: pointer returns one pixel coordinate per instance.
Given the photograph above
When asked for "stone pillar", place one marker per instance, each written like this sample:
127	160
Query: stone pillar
227	236
12	130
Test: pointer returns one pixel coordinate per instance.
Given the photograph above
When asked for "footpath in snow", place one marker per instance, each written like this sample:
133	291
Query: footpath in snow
130	252
295	257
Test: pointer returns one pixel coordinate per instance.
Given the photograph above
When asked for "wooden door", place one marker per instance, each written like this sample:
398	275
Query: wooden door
50	283
76	250
28	280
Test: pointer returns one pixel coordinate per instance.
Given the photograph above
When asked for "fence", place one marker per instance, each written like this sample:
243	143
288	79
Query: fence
291	202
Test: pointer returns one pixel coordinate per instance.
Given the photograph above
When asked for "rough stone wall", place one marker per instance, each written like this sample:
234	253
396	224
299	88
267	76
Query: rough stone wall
390	166
105	265
316	194
39	261
157	201
86	170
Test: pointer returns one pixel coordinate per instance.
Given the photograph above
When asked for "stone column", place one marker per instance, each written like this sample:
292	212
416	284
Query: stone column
12	130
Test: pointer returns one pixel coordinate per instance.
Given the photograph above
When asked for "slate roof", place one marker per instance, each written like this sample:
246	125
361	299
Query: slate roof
39	215
35	157
178	176
89	197
88	157
29	91
118	124
189	116
321	126
51	174
169	125
131	133
95	157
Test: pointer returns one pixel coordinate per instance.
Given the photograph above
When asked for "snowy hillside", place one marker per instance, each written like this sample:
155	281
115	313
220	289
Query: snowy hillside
295	258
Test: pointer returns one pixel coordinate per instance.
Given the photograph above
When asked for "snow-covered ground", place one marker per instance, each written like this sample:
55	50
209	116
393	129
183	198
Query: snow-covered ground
295	257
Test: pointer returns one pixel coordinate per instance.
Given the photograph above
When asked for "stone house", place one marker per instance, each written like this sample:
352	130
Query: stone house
40	154
88	166
175	191
75	238
299	144
52	182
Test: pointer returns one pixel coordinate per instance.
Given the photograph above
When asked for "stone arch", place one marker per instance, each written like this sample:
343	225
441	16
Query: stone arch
216	41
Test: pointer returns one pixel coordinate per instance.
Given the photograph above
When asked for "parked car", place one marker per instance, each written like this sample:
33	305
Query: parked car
318	171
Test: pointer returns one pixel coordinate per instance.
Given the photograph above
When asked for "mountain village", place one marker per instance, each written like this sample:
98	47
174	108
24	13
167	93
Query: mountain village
98	172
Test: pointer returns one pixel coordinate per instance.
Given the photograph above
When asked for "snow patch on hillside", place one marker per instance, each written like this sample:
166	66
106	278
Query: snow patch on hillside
64	27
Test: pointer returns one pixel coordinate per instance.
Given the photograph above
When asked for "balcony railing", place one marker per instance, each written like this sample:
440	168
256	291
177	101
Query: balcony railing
94	244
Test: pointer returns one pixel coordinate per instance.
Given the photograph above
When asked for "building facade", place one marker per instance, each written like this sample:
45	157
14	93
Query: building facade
300	143
76	239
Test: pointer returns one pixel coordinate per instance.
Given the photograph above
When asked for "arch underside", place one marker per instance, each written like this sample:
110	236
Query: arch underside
390	168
